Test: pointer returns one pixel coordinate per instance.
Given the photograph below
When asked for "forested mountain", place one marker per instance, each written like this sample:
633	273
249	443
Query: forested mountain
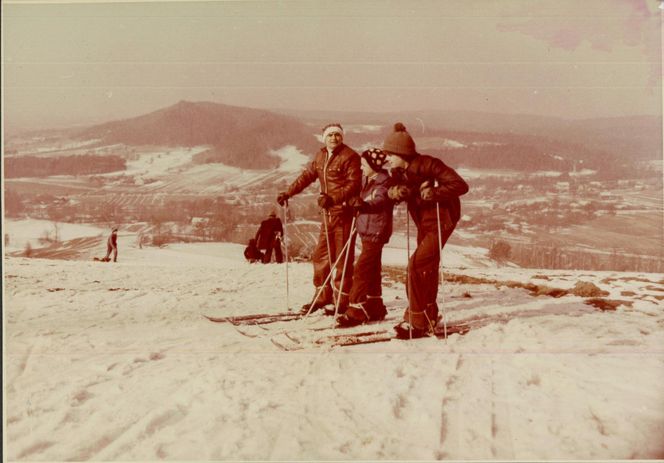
241	137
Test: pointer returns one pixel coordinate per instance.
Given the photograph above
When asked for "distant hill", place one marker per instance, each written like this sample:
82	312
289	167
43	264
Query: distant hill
241	137
631	138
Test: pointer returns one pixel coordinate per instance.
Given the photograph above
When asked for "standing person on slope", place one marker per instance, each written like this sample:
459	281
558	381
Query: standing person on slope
112	246
268	237
374	225
337	168
432	191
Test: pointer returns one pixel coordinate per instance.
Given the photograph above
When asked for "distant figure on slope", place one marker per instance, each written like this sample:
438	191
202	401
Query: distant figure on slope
337	169
268	237
251	252
432	191
374	225
112	246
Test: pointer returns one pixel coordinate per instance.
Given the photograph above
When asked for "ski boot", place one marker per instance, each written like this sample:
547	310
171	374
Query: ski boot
311	308
405	330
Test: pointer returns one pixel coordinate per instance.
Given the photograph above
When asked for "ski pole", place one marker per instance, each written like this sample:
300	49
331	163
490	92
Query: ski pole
327	241
343	272
285	241
410	312
329	275
441	275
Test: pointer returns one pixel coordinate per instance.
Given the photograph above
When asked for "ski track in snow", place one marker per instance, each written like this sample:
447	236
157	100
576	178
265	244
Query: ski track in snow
115	362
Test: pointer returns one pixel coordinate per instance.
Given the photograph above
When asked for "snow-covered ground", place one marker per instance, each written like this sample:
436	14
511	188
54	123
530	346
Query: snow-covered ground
22	232
115	362
218	177
155	163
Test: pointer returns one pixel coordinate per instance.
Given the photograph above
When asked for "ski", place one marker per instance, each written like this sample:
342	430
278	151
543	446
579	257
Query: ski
289	342
372	337
256	319
286	342
243	331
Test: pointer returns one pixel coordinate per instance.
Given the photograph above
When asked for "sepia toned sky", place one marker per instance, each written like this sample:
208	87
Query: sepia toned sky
82	63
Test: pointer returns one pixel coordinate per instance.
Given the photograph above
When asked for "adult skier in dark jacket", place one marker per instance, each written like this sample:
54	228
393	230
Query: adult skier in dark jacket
374	225
337	169
432	191
268	237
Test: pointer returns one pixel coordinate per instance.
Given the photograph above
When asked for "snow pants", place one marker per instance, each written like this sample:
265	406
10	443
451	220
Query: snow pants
278	255
422	284
338	233
114	250
367	273
366	302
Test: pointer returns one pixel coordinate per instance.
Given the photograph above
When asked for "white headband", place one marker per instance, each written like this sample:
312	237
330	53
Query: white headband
331	129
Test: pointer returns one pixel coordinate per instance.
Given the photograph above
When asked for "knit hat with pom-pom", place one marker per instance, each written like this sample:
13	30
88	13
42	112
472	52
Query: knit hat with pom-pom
376	158
400	142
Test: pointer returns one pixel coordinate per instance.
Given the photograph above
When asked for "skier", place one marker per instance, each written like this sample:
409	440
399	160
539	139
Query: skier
432	191
268	237
337	168
112	246
374	225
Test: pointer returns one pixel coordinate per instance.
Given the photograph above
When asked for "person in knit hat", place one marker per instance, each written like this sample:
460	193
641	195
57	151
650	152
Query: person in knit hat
431	190
374	225
337	168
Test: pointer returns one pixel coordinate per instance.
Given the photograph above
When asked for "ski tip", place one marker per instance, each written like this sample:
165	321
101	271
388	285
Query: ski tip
215	319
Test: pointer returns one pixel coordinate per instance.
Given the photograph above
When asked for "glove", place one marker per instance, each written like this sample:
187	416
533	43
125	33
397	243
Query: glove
356	203
398	192
426	191
325	201
282	198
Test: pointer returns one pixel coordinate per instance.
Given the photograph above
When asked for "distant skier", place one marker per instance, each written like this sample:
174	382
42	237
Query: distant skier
251	252
268	238
337	168
112	246
432	191
374	225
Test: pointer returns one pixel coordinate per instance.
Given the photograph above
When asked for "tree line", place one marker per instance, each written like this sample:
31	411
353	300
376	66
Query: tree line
84	164
553	256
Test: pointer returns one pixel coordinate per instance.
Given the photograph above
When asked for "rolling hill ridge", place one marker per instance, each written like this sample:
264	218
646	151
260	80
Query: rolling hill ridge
241	137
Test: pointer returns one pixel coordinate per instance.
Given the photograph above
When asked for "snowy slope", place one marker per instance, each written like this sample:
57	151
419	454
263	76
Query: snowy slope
115	362
217	177
22	232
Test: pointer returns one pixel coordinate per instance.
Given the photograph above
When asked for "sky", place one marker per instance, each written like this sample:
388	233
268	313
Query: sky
81	63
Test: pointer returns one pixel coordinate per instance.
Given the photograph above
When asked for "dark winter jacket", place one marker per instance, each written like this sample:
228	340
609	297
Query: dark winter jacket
448	187
374	222
268	230
340	176
251	252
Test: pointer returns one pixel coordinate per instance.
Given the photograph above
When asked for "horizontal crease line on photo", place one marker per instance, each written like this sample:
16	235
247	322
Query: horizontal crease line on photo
290	15
538	87
310	349
323	61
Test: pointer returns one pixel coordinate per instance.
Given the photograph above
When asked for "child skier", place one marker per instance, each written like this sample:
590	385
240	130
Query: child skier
432	191
374	225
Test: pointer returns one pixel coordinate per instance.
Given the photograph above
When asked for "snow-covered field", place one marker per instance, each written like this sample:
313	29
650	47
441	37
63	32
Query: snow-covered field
217	177
115	362
22	232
